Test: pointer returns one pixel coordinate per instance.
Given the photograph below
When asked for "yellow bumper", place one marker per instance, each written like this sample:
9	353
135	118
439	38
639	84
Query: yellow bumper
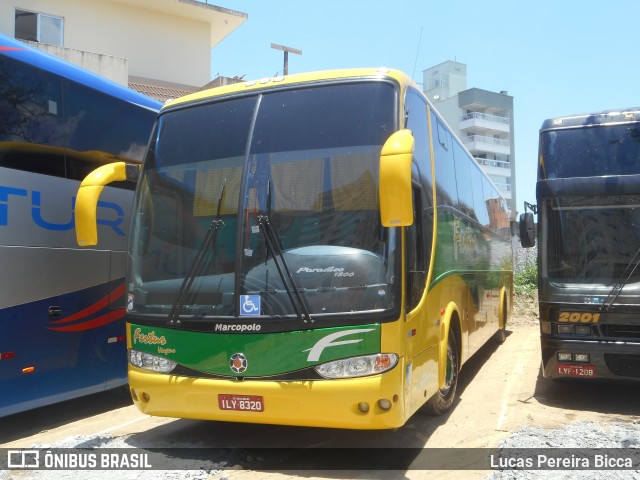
317	403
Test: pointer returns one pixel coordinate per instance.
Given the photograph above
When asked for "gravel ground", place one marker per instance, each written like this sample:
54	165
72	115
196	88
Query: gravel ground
579	435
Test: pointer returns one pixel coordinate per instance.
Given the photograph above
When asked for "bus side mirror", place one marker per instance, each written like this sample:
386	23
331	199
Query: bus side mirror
87	199
396	196
527	230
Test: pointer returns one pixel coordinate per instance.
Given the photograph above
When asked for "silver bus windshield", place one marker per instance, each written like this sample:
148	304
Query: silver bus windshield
307	160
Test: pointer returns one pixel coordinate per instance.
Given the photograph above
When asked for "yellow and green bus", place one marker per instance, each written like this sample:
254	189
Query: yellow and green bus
315	250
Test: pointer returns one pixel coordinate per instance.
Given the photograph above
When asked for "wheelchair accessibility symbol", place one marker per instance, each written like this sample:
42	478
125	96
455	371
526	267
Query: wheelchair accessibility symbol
249	304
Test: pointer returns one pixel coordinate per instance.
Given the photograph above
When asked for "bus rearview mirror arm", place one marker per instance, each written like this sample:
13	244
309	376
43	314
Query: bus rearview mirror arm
88	194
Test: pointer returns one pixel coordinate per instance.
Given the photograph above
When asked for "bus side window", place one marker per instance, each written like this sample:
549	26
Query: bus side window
418	123
31	112
446	189
490	195
422	229
415	258
465	182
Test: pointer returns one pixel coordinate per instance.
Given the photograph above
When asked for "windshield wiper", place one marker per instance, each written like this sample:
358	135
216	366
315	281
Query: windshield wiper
617	288
273	245
196	267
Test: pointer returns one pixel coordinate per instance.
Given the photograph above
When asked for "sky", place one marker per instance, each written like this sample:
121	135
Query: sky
554	57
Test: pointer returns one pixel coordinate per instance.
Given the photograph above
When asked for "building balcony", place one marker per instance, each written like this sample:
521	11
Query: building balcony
484	122
481	143
485	162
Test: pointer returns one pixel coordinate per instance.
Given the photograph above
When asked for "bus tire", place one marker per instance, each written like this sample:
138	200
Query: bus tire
501	335
442	400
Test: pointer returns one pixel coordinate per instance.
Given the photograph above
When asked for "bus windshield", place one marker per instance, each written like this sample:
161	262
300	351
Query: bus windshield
299	166
590	151
591	240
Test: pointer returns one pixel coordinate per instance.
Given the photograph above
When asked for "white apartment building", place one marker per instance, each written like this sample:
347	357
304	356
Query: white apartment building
483	120
159	47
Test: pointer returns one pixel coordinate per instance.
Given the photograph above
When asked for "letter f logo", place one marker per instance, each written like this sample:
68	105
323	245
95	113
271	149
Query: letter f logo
328	341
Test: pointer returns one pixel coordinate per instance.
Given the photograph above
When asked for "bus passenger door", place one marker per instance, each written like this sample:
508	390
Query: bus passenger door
414	256
416	324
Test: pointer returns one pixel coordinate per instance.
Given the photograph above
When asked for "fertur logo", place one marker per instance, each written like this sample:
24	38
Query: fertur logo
328	341
36	214
148	338
464	240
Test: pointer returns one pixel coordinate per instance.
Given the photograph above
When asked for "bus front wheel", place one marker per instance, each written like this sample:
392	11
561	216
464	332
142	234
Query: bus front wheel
442	400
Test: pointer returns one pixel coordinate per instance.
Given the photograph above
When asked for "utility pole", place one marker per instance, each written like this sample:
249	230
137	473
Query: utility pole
286	51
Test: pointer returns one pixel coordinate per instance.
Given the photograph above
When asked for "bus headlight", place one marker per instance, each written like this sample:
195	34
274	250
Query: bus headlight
565	329
358	366
151	362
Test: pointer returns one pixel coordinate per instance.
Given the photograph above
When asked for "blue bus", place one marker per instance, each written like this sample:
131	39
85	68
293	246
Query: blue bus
62	332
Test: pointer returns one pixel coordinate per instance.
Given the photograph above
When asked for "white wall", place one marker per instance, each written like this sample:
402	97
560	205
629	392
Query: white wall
156	45
113	68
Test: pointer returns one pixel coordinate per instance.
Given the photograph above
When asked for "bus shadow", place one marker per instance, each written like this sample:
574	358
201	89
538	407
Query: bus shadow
599	396
31	422
298	451
338	453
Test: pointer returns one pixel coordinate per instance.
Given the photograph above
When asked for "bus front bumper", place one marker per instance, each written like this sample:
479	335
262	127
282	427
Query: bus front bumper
590	359
344	403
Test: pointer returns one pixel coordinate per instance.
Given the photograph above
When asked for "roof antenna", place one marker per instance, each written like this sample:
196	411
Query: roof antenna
417	53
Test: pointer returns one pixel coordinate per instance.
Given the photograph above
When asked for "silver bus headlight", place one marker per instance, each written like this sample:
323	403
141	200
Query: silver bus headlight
154	363
358	366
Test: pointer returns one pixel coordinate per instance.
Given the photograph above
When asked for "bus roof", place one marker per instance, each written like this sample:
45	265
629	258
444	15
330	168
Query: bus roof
299	78
12	48
604	117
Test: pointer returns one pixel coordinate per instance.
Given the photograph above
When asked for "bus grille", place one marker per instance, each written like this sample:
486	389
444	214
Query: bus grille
621	331
624	365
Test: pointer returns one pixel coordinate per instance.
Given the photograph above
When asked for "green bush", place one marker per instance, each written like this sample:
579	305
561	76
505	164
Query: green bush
526	280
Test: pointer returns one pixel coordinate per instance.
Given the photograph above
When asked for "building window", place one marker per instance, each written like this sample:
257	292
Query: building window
39	27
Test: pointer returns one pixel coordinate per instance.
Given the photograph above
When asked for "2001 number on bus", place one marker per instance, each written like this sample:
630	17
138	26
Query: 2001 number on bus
579	317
